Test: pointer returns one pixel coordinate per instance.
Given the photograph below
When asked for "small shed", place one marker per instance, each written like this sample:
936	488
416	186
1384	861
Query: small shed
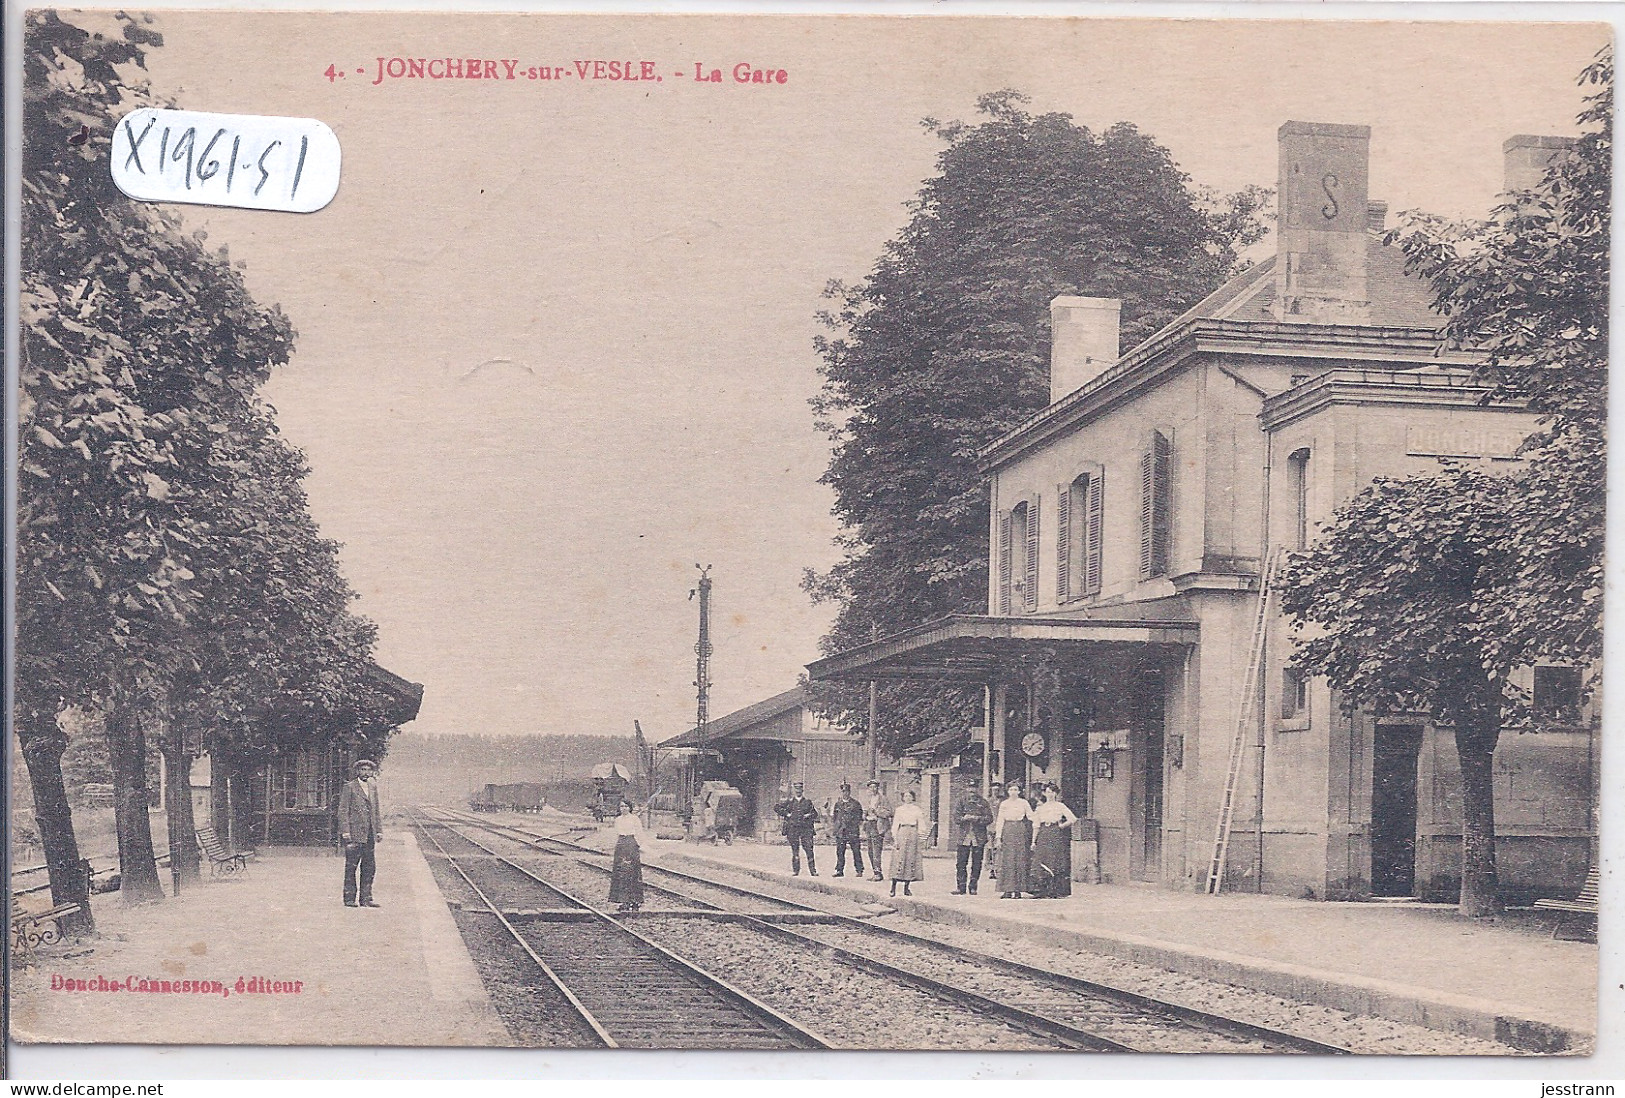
292	800
768	745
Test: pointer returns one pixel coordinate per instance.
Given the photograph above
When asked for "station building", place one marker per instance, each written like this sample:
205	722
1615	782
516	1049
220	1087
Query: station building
1131	523
767	746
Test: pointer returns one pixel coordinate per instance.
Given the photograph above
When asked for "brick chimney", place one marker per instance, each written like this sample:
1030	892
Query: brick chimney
1321	240
1083	341
1527	156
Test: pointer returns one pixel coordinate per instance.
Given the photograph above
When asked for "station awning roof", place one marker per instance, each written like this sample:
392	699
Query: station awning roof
974	648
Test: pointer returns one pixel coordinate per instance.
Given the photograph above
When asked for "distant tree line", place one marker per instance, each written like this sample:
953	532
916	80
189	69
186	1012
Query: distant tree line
425	768
173	591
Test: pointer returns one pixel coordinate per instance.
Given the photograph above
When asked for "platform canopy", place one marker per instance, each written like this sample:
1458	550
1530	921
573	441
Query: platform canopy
975	648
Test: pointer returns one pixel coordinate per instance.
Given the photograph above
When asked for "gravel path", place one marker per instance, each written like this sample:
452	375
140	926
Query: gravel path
851	1008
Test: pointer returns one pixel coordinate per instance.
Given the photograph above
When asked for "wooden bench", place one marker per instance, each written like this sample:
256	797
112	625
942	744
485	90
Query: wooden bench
1579	911
221	860
30	929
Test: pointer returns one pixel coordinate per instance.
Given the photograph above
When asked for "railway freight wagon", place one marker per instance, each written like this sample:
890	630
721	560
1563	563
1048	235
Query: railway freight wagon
518	797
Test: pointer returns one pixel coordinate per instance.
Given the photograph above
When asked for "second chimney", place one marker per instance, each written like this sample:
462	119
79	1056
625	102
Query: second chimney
1083	341
1321	235
1527	156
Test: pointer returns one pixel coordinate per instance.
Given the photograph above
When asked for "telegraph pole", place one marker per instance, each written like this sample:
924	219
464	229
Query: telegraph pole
702	652
702	671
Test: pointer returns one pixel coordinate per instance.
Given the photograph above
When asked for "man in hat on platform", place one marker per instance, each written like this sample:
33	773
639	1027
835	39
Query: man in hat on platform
800	823
360	823
877	814
846	824
972	814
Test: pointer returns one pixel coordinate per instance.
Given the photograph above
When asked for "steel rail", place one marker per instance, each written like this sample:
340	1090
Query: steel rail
534	839
576	1004
1209	1021
799	1036
1069	1036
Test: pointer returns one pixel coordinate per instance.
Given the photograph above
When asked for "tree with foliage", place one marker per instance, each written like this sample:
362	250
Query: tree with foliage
99	541
1426	594
1398	604
1528	289
945	346
169	575
272	652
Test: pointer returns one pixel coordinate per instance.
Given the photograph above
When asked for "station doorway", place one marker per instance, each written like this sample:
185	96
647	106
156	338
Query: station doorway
1393	809
1149	779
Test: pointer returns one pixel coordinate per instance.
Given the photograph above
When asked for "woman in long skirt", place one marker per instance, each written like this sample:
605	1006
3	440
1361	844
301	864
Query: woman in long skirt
626	876
906	866
1014	828
1052	845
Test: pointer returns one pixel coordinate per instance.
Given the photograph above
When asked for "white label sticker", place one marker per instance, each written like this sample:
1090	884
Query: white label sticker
254	161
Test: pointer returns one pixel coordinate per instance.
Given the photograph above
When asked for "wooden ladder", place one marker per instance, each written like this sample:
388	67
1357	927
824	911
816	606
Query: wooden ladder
1247	712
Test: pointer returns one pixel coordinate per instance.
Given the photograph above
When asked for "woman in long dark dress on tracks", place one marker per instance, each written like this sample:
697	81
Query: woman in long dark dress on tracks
626	876
1014	827
1052	845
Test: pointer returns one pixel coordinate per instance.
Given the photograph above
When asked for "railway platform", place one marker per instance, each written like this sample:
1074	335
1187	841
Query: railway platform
293	965
1417	963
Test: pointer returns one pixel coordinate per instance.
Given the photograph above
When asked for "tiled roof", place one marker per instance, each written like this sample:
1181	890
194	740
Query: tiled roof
741	719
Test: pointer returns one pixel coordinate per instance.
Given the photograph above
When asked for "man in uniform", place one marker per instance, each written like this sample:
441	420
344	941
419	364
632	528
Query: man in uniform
846	821
800	817
971	817
360	823
877	814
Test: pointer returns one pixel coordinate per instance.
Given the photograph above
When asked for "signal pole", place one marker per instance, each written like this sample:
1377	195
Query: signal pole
702	652
702	675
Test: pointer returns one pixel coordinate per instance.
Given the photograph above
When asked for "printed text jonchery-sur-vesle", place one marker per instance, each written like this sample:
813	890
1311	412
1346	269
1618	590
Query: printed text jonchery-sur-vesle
383	69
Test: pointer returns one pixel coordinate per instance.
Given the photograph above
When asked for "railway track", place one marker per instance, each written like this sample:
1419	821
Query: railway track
626	990
1075	1012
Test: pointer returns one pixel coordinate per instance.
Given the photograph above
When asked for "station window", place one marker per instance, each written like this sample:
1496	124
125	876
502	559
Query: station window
1018	558
298	782
1298	480
1557	694
1294	693
1077	536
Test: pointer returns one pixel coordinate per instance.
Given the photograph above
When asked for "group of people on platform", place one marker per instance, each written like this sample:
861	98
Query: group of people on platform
1027	846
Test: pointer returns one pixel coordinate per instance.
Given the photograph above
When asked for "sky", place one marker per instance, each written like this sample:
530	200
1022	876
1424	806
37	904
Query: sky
556	337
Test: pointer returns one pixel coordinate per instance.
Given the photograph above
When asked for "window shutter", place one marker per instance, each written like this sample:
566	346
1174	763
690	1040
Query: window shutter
1063	542
1004	563
1156	470
1029	591
1162	472
1147	500
1091	526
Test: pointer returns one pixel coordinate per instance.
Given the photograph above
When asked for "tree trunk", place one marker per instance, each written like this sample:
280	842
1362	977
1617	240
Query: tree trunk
184	856
42	746
127	750
1475	748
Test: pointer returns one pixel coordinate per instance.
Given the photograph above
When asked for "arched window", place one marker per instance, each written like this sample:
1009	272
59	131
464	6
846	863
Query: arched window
1077	536
1018	558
